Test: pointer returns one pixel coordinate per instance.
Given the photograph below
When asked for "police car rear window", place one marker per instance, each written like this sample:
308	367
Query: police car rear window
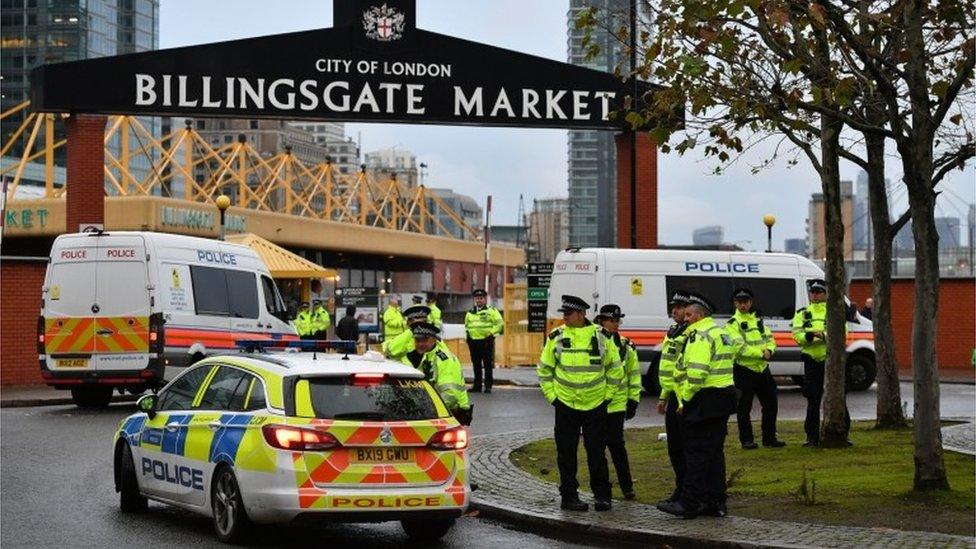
391	399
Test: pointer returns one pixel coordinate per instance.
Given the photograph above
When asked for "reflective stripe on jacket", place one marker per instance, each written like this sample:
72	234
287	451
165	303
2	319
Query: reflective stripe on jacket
630	388
669	373
578	367
707	358
483	322
443	370
752	338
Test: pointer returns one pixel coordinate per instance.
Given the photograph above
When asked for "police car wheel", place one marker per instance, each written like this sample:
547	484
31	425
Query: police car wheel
130	500
94	397
229	517
426	530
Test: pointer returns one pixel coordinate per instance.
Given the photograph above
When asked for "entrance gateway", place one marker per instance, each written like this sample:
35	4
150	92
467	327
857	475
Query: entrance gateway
374	65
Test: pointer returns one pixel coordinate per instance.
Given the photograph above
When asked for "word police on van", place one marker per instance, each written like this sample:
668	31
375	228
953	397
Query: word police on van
129	310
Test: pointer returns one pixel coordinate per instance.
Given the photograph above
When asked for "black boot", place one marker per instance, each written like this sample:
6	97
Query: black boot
678	509
573	503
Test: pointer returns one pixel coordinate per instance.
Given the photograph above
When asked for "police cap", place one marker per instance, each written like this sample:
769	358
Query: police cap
418	299
417	312
572	303
698	299
678	296
816	285
610	311
742	294
424	329
479	293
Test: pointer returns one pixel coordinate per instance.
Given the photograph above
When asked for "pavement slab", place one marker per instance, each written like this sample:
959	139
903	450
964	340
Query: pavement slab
507	493
960	438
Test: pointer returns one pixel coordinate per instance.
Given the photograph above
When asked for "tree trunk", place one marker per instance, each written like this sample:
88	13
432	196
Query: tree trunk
916	152
834	430
889	410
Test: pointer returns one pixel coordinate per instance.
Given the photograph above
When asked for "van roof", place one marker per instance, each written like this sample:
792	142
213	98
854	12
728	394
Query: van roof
325	364
159	239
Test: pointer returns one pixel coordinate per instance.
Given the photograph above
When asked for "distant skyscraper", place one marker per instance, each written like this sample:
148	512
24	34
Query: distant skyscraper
816	240
399	162
342	150
796	246
949	229
592	154
548	228
463	205
862	213
708	236
972	225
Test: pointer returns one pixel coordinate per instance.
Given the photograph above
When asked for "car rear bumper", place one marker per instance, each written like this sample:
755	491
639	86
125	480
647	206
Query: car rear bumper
285	502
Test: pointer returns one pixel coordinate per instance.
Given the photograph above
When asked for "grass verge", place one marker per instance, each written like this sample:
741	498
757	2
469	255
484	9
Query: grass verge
868	484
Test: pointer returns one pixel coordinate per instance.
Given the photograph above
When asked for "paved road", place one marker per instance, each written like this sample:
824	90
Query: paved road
56	471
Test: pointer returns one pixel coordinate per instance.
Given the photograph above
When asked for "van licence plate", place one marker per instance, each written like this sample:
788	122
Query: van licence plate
382	455
72	363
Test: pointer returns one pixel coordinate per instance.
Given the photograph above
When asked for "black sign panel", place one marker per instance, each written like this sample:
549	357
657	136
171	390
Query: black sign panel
539	278
367	304
374	66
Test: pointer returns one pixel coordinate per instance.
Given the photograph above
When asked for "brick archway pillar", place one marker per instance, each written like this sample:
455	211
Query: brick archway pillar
645	199
85	201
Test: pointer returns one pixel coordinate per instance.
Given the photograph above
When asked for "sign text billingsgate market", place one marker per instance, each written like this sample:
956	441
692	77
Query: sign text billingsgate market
373	66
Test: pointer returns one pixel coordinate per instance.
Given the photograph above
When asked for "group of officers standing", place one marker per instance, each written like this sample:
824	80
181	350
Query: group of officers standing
589	372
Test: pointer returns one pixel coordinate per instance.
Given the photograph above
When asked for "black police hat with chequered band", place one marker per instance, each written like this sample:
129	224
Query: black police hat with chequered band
698	299
572	303
424	329
678	296
610	311
817	285
742	294
417	312
479	293
417	299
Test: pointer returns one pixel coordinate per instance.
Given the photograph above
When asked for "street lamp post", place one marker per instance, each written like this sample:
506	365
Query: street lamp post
223	202
769	220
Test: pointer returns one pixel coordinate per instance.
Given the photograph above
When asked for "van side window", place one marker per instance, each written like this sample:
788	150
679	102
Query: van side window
210	291
224	292
272	300
180	395
718	290
775	297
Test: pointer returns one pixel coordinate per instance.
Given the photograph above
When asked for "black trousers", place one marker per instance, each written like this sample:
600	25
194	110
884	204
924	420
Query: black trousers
704	482
813	390
676	444
761	385
618	451
483	360
592	424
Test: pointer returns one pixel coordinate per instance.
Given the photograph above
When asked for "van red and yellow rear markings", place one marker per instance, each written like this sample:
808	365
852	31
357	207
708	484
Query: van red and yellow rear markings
122	334
69	335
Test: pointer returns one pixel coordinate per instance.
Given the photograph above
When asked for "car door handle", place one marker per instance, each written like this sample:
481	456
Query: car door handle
214	425
172	427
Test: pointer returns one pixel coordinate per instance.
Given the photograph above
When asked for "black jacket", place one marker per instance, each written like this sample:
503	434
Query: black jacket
348	328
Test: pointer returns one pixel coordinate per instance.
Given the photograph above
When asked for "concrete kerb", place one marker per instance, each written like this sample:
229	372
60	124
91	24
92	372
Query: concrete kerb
511	495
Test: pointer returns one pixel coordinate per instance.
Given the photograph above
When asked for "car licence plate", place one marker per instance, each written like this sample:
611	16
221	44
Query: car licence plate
72	363
382	455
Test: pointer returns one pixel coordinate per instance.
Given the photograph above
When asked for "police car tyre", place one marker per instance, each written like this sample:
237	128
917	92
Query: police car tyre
426	530
130	500
230	519
97	396
861	372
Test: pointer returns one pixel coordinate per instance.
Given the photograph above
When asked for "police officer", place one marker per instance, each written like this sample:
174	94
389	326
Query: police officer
751	371
579	374
303	322
707	399
481	324
394	323
670	377
435	311
810	332
398	347
320	320
441	368
625	400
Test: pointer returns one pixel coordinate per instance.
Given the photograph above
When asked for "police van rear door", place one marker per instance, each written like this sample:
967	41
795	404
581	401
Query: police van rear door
69	295
122	304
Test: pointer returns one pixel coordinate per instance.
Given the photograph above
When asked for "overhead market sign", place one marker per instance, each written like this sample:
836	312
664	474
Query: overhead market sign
374	65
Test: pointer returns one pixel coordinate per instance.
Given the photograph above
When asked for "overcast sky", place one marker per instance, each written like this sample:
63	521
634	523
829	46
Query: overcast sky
506	161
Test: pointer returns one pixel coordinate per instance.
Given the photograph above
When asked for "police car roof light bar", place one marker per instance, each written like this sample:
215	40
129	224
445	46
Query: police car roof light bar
314	345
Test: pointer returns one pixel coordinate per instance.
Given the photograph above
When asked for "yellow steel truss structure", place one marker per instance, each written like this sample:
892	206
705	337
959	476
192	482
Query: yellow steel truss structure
139	163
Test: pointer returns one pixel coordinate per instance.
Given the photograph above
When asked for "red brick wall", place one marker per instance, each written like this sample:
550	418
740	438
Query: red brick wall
646	190
86	170
20	305
957	327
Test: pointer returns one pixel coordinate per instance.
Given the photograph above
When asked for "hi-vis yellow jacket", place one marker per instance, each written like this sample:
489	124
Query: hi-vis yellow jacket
579	367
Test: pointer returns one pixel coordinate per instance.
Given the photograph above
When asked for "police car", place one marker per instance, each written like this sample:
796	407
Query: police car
263	437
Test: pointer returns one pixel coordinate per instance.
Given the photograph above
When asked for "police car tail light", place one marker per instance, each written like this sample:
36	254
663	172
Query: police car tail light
297	439
451	439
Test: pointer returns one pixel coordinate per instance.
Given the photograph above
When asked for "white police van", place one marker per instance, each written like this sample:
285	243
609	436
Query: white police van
640	281
130	310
